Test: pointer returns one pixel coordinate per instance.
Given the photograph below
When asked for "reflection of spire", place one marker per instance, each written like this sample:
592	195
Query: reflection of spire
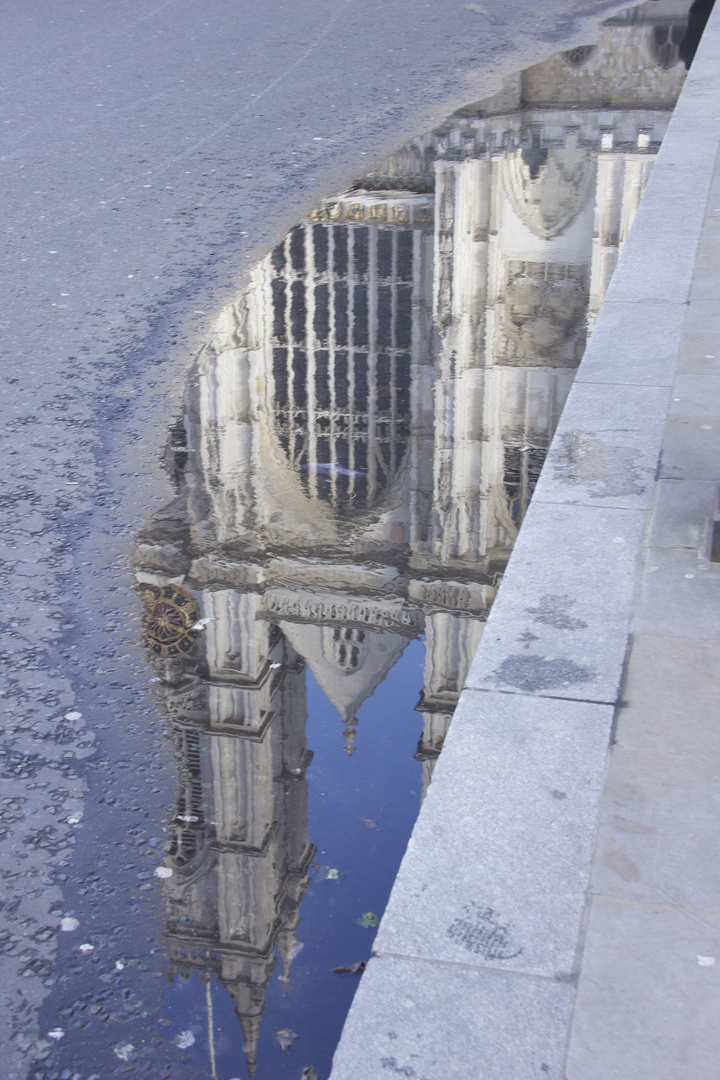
350	735
251	1033
348	663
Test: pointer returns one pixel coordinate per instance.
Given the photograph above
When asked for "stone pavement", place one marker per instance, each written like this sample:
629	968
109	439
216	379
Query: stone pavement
557	913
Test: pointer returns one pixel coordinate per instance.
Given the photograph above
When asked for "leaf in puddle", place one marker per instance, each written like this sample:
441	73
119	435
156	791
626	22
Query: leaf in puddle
285	1038
367	920
351	969
309	1073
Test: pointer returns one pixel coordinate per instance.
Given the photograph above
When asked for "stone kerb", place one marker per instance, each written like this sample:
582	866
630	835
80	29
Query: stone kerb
480	946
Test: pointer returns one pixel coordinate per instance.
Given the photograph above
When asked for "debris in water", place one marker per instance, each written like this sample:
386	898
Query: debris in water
369	823
327	873
352	969
367	920
332	468
309	1073
87	947
56	1033
184	1039
124	1050
285	1038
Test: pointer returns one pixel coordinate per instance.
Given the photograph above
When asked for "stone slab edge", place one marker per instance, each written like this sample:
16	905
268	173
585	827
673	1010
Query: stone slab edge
479	946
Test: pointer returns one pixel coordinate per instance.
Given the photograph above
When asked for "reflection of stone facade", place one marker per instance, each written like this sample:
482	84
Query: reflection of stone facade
360	442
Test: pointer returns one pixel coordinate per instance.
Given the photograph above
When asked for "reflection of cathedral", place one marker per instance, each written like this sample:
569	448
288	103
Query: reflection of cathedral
359	444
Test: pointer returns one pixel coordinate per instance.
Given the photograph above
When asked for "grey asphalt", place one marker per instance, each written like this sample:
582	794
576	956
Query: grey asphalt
150	154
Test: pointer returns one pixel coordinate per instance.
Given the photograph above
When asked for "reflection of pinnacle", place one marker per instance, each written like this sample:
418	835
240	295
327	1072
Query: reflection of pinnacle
349	734
286	945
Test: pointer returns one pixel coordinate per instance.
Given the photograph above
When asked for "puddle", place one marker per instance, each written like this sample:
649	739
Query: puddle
358	445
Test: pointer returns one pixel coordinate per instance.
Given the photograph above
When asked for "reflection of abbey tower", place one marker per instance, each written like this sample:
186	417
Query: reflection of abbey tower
359	443
239	847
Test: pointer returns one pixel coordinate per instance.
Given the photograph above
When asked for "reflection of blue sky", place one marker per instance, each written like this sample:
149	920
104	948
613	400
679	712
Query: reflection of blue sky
380	783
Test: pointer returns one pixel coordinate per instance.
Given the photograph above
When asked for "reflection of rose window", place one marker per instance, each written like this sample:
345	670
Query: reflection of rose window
166	623
170	614
342	333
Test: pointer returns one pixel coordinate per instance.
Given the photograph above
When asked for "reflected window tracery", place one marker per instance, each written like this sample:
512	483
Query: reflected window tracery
665	43
342	339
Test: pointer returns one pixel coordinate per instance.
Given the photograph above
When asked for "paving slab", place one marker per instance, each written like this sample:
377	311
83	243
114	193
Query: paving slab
561	628
691	446
679	595
670	696
658	840
445	1022
695	395
606	448
495	872
683	514
699	354
704	318
649	995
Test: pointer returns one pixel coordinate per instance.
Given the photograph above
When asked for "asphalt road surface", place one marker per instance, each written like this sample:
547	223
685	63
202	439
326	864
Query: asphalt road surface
151	152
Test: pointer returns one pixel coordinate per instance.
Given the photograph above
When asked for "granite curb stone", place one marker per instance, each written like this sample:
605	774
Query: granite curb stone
443	1022
606	447
633	344
561	627
518	866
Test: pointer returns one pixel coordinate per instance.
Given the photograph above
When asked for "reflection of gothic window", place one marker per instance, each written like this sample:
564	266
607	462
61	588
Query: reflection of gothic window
664	42
342	335
522	469
188	825
346	646
578	56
